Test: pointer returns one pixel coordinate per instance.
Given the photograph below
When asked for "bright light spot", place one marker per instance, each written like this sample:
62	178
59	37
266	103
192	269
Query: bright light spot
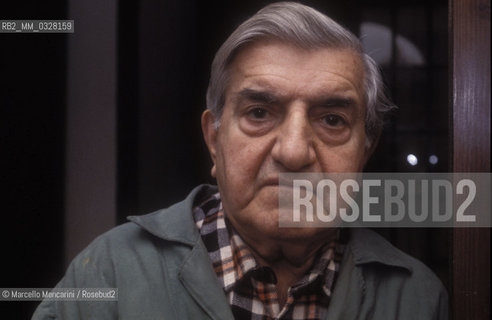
433	159
412	159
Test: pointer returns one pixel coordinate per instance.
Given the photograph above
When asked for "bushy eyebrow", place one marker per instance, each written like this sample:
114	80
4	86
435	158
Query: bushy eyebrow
269	97
333	101
260	96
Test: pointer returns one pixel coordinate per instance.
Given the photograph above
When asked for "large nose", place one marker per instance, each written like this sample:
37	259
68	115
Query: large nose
294	148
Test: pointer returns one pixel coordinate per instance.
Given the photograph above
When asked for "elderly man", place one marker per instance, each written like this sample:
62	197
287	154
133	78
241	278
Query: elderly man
290	91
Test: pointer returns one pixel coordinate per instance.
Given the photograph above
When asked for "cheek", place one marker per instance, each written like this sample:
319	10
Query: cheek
239	162
240	156
349	157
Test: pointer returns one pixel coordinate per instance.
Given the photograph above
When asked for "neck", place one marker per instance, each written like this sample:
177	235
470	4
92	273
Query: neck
290	259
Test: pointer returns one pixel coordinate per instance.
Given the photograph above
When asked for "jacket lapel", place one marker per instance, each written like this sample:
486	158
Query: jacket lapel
349	292
365	247
196	273
200	280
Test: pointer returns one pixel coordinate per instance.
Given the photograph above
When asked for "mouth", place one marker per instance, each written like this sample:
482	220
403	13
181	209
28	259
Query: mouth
271	181
275	181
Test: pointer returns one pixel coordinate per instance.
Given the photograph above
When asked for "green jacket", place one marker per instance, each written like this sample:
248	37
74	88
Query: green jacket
162	271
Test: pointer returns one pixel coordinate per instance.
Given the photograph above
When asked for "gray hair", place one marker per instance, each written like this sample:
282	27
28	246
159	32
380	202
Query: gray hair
307	28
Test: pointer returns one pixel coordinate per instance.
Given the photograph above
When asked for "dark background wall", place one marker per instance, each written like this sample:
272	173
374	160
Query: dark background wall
32	114
163	51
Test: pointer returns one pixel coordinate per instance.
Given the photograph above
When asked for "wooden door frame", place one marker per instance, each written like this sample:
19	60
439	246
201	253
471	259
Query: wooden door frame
470	149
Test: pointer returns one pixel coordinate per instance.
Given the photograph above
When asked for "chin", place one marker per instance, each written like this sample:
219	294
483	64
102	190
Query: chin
298	234
270	229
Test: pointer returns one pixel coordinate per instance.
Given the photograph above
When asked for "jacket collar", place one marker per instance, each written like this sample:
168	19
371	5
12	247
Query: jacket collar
369	247
173	224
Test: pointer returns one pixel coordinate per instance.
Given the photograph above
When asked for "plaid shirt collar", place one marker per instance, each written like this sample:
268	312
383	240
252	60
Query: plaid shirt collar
238	271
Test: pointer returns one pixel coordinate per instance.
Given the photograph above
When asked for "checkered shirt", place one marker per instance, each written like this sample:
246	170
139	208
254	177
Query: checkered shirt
250	288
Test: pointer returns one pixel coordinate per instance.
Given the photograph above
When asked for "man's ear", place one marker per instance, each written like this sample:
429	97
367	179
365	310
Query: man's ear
210	136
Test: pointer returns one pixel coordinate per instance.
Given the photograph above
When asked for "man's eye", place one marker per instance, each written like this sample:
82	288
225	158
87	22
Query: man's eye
333	120
258	113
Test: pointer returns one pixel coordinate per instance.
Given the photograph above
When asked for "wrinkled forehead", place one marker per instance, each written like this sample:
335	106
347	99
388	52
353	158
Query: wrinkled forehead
318	67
